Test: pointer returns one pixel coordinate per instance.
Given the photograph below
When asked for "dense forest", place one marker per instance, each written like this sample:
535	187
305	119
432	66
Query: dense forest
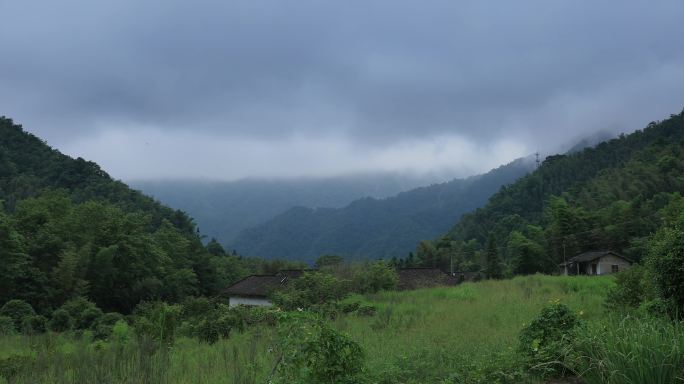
609	197
375	228
67	230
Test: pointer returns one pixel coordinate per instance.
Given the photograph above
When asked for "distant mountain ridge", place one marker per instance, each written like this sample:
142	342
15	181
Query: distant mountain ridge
223	209
375	228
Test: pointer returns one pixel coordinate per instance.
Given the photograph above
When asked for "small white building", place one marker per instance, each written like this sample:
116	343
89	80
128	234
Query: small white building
595	263
256	289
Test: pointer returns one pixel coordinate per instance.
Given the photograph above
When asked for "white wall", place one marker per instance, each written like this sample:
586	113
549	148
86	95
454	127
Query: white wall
605	263
256	301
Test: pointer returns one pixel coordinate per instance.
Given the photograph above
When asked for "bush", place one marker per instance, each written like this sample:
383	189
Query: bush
666	262
61	321
366	310
121	332
7	326
376	277
313	352
350	307
547	340
629	290
34	324
13	365
85	313
310	289
17	310
157	321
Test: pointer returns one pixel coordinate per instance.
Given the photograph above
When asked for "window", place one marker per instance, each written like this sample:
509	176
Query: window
614	268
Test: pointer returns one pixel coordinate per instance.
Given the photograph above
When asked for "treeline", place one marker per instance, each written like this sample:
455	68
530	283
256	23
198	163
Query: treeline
375	228
610	197
67	230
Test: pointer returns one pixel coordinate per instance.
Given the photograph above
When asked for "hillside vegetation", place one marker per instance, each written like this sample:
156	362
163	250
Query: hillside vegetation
223	209
68	230
375	228
612	196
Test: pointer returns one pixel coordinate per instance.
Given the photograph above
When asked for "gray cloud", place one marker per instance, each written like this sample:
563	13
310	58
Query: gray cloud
357	76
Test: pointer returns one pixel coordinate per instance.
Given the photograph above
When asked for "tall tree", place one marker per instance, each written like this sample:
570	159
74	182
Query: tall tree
492	260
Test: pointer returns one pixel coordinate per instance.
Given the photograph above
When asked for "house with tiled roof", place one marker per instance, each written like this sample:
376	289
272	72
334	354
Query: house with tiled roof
595	263
256	289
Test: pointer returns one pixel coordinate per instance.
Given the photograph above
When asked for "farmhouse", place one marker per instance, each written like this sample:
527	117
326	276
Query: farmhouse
414	278
595	263
256	289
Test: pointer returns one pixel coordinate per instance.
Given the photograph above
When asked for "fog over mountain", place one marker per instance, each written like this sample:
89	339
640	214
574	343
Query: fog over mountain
225	90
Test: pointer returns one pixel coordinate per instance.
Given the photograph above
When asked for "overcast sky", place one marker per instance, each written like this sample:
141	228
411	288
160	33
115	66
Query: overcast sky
264	88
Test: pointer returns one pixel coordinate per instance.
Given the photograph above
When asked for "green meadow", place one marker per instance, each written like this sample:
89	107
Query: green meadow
463	334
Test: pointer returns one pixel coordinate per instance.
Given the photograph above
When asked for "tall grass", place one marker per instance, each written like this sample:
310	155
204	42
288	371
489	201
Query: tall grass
632	351
463	334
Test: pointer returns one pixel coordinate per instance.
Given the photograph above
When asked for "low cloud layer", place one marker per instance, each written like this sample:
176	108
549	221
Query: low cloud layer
226	90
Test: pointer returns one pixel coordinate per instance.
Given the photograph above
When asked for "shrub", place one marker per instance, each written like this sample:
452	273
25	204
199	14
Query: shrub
547	340
366	310
13	365
313	352
88	318
666	262
310	289
61	321
17	310
121	332
34	324
376	277
629	290
350	307
157	321
7	326
84	312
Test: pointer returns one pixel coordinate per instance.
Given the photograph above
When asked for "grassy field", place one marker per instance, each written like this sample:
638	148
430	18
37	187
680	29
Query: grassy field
441	335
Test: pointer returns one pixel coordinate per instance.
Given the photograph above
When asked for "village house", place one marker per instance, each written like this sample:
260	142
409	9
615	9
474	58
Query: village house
256	289
595	263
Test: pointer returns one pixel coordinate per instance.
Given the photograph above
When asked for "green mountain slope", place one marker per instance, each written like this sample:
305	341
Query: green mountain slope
68	230
223	209
374	228
611	196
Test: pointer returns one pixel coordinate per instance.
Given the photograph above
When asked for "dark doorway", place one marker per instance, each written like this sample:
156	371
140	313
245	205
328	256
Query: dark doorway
593	269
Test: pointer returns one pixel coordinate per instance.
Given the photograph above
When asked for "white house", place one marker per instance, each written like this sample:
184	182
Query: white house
595	263
256	289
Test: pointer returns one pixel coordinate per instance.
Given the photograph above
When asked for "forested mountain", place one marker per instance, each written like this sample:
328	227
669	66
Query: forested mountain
611	196
375	228
223	209
68	230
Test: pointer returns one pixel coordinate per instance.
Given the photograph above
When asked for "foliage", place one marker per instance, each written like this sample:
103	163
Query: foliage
34	324
374	277
157	321
630	288
547	340
312	352
492	260
7	326
310	289
612	196
61	321
666	263
375	228
631	351
17	310
104	326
